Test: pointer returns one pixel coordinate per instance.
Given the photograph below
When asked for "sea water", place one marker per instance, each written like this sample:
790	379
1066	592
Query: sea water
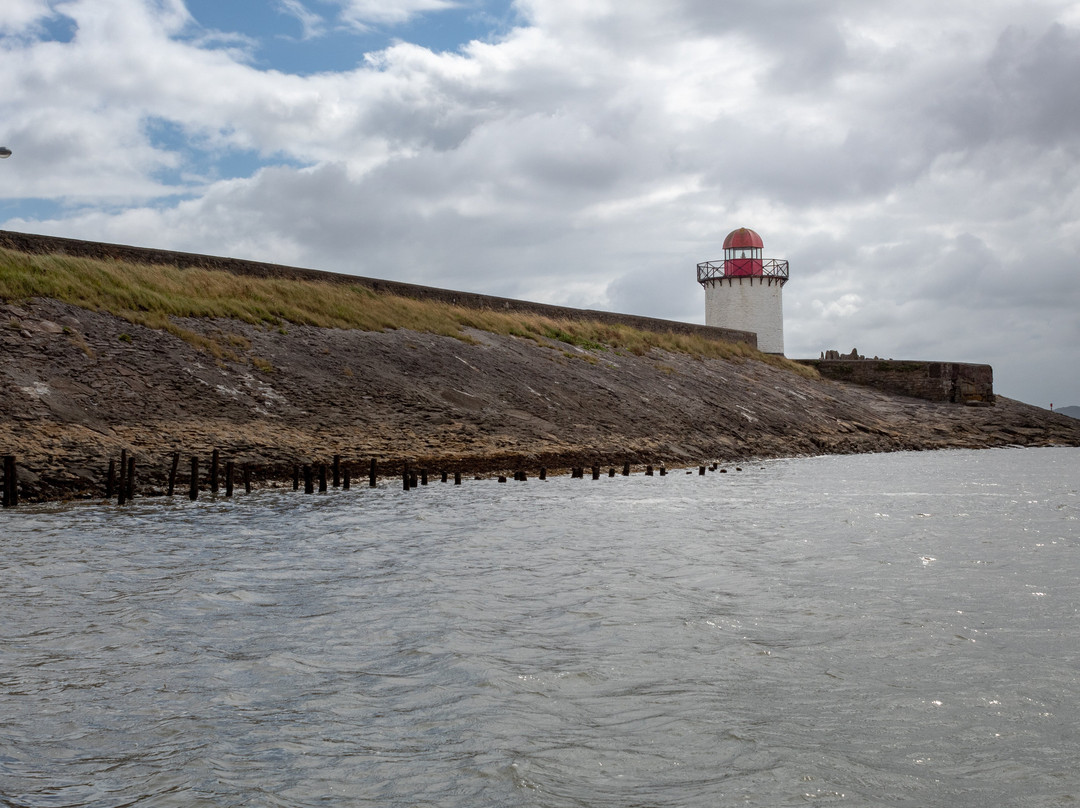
893	630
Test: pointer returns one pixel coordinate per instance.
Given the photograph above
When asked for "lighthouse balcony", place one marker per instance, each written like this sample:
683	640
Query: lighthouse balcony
742	268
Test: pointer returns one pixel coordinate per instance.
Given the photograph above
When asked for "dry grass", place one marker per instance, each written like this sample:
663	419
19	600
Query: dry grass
158	296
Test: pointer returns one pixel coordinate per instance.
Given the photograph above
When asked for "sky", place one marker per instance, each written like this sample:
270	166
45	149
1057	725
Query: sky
916	162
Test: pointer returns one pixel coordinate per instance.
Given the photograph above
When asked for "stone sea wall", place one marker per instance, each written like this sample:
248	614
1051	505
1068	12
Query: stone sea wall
51	245
955	382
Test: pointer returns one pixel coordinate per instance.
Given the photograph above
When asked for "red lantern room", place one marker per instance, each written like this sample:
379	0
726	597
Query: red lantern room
742	259
742	253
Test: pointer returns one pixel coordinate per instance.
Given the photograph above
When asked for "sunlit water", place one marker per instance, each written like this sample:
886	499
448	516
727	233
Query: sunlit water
871	630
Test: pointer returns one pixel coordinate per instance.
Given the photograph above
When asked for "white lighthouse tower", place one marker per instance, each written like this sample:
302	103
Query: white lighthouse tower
744	291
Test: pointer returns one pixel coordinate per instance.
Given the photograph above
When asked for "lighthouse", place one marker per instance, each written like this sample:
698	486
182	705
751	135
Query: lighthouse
744	291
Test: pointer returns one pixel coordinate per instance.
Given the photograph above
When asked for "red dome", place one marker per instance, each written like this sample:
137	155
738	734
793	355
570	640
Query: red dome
743	238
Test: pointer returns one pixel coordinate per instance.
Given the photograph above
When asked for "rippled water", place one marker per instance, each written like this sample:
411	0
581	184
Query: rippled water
872	630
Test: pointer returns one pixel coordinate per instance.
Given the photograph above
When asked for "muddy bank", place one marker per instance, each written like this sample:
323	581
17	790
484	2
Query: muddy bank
78	386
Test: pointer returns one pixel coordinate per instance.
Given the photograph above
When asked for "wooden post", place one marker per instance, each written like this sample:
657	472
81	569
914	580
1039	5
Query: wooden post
193	484
701	471
345	478
502	479
596	472
405	477
412	479
611	472
214	460
457	478
228	477
295	477
444	476
172	472
371	474
11	484
247	478
625	469
309	480
543	473
337	470
322	478
423	476
663	471
121	494
648	471
131	478
110	480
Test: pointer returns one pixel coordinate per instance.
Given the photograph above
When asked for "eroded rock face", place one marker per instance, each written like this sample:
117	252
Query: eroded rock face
72	398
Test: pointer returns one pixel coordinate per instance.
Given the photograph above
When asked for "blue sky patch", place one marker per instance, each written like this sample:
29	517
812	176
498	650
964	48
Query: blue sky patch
282	41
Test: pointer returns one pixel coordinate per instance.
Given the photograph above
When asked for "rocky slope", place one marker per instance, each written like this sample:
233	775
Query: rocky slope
79	386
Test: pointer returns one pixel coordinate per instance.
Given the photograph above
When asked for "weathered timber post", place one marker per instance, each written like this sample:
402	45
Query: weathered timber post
663	471
337	470
172	472
444	476
502	479
345	478
322	478
11	483
371	474
121	495
596	472
110	479
405	477
611	472
309	479
423	476
543	472
457	478
193	483
247	478
295	477
131	478
228	477
648	471
701	471
215	459
412	479
625	469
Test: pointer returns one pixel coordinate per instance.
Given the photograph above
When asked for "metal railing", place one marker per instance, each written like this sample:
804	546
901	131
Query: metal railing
770	268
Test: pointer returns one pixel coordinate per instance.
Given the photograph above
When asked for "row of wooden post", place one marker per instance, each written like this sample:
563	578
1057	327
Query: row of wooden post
120	481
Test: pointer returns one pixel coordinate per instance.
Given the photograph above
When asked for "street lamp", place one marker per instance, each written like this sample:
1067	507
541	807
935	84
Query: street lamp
5	151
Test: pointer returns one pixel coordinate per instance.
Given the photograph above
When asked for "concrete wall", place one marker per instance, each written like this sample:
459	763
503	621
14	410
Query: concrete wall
748	304
35	244
957	382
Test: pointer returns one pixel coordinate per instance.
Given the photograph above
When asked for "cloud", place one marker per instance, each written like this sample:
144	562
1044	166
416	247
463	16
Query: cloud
23	16
311	24
364	13
916	163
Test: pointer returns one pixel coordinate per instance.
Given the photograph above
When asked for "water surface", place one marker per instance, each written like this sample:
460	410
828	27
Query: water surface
894	630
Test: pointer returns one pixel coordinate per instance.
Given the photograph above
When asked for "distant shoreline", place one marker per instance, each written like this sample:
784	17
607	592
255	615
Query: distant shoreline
81	386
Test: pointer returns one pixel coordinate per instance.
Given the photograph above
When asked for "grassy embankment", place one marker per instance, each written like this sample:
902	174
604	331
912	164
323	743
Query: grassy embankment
155	296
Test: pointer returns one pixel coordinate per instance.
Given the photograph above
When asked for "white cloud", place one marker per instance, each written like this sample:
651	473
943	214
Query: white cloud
364	13
311	24
20	16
